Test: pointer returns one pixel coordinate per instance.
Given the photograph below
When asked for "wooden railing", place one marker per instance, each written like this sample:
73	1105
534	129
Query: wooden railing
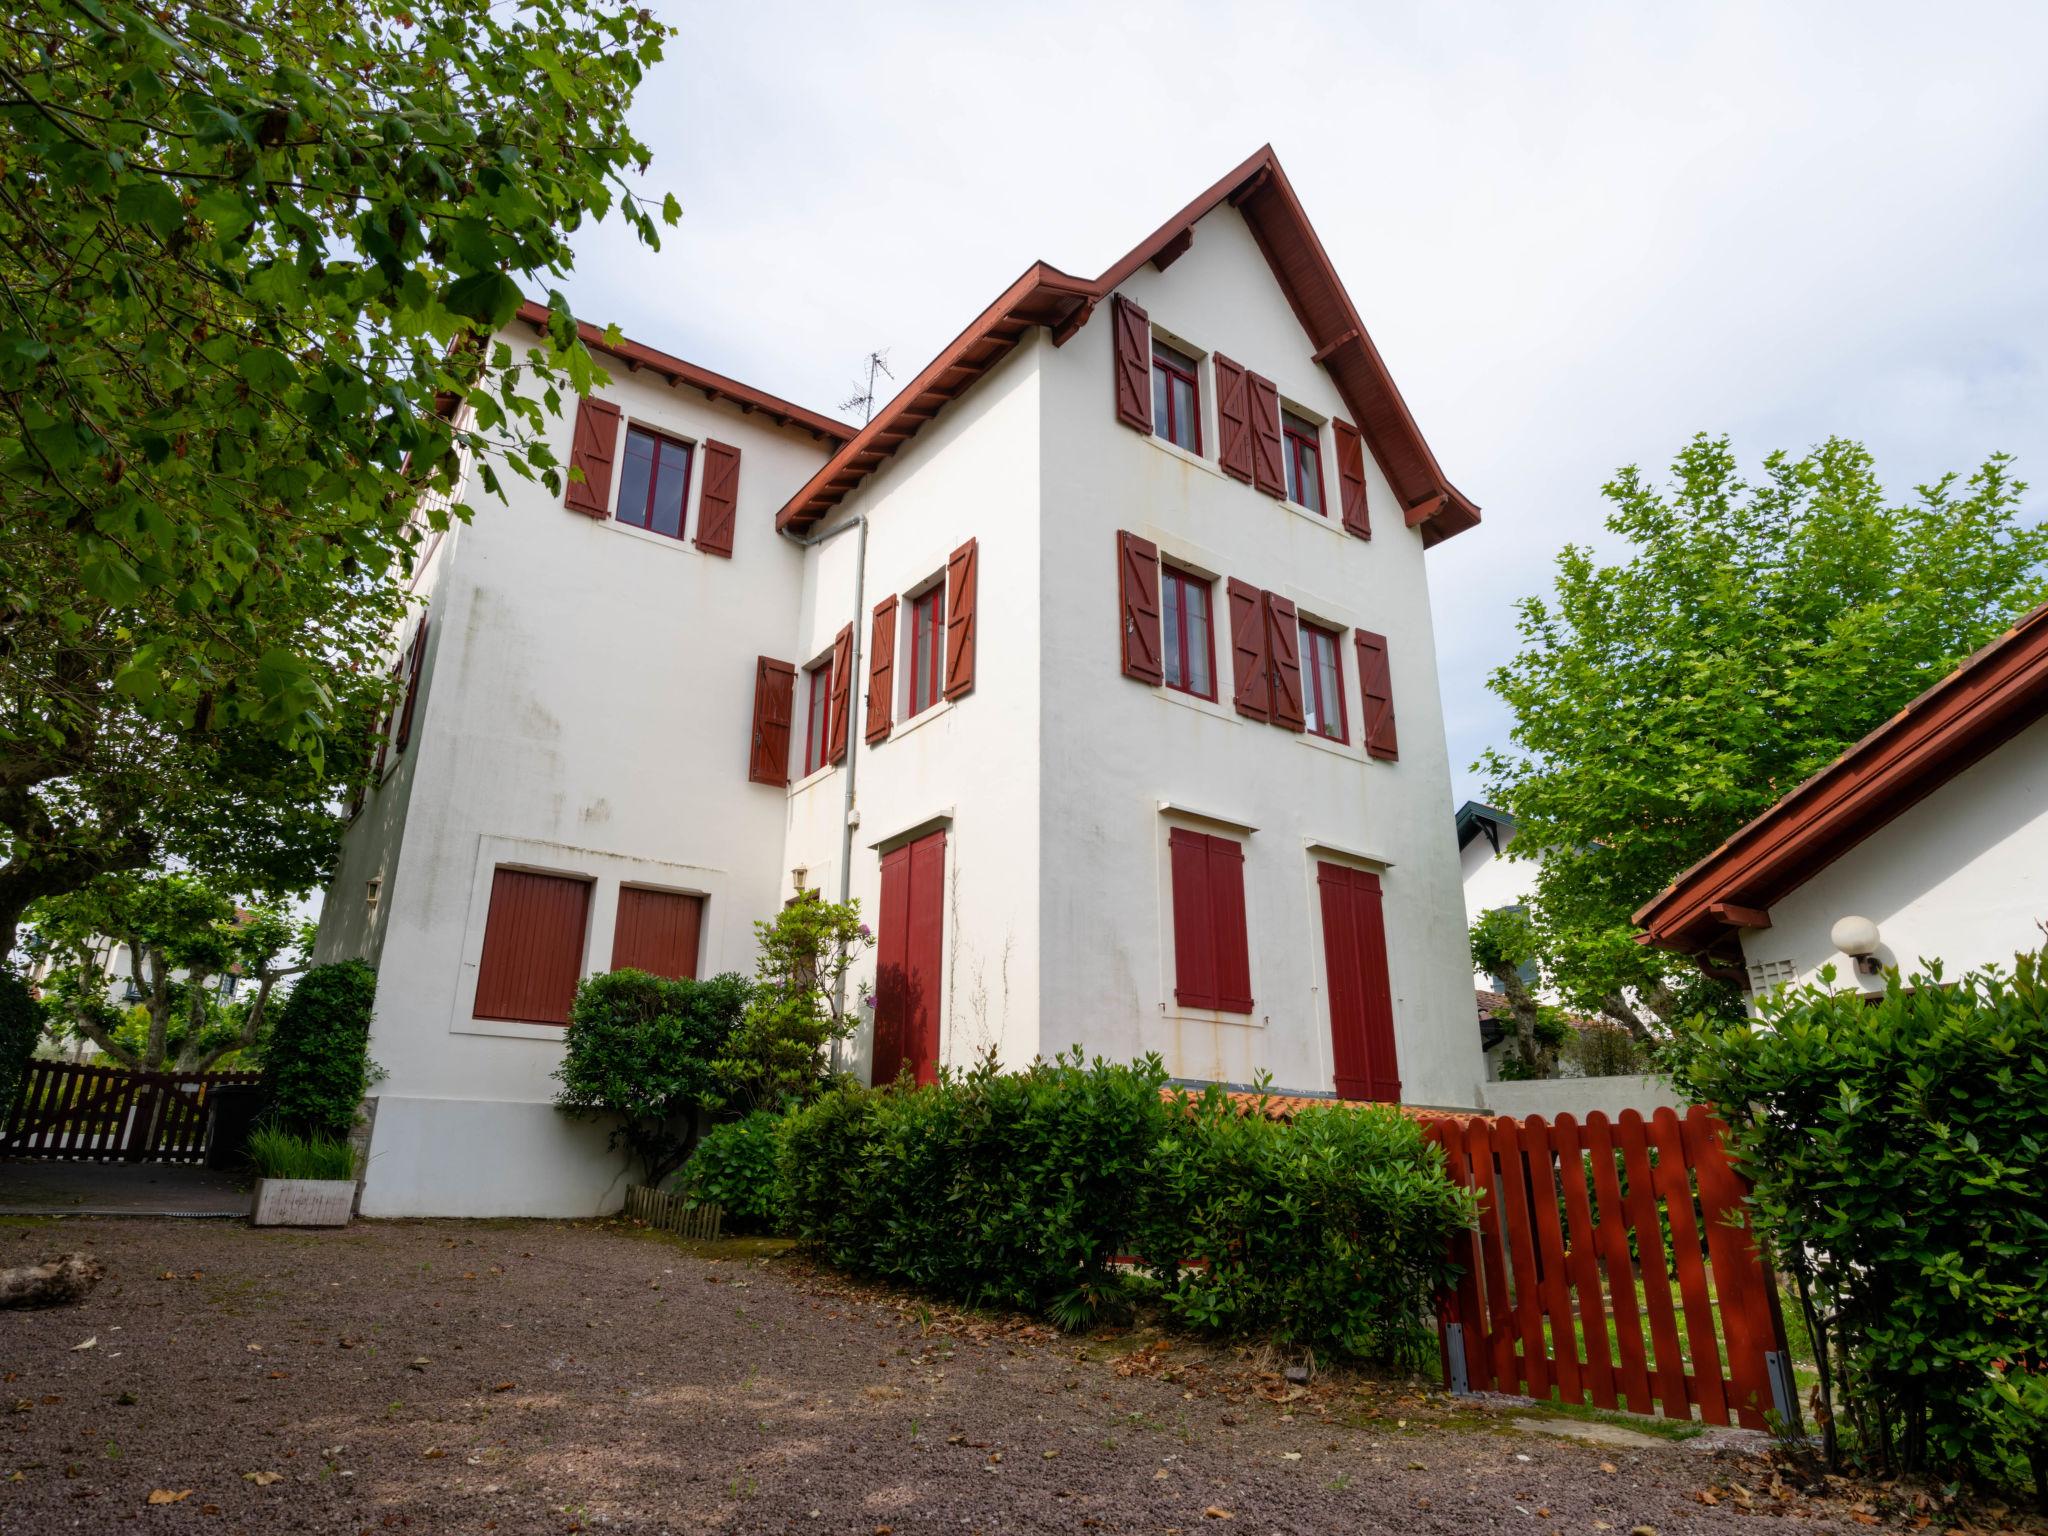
83	1113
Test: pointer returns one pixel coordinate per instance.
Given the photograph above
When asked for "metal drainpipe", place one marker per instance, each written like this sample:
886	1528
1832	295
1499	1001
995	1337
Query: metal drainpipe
860	577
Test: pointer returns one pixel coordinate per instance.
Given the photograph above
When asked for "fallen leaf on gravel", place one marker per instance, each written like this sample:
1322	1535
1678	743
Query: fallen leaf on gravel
1416	1466
421	1362
88	1344
279	1375
433	1453
1642	1530
1218	1512
1159	1476
505	1386
167	1496
1707	1496
255	1349
262	1479
1290	1455
1608	1466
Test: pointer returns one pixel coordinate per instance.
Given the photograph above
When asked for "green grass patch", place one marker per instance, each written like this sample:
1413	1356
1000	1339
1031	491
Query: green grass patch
278	1154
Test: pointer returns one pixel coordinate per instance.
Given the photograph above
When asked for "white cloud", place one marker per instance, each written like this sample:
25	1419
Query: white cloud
1579	234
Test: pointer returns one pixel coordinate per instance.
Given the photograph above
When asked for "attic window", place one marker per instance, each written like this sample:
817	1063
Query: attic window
1176	398
1303	452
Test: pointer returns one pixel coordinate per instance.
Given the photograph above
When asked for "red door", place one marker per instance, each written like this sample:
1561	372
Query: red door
1361	1001
907	946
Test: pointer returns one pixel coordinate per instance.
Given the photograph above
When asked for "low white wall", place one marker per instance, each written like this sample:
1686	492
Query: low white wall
488	1157
1580	1096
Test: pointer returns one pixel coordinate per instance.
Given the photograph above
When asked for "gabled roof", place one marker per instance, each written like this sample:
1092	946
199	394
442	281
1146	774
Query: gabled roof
1046	296
1977	708
1474	819
716	386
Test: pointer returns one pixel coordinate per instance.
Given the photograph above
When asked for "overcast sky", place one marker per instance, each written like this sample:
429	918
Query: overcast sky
1577	234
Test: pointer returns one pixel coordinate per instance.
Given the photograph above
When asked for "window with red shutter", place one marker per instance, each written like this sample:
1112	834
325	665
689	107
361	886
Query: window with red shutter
1250	655
654	486
842	692
1268	472
1176	398
533	947
1376	683
881	670
1302	450
962	571
1283	637
817	715
927	649
1361	995
1211	948
774	698
591	448
1133	337
1322	683
1190	645
657	932
1351	479
1233	419
717	507
414	665
1137	568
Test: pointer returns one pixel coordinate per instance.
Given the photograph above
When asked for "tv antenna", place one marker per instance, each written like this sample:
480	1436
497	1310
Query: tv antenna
864	398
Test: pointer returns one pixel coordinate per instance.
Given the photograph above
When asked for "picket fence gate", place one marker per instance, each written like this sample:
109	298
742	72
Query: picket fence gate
674	1213
77	1112
1581	1230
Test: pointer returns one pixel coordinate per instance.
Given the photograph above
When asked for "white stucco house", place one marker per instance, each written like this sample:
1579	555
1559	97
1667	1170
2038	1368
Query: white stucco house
1927	840
1098	667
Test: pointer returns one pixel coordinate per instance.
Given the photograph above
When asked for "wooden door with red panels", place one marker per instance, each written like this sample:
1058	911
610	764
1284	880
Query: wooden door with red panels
908	943
1361	998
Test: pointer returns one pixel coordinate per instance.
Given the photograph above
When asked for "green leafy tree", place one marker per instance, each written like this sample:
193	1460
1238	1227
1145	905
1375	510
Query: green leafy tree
797	1006
182	934
316	1064
640	1053
21	1027
1751	632
1503	942
250	256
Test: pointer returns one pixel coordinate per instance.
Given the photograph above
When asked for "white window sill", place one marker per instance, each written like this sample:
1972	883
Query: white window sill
1320	519
917	721
1175	450
646	535
1351	752
1173	1013
1215	708
511	1029
811	779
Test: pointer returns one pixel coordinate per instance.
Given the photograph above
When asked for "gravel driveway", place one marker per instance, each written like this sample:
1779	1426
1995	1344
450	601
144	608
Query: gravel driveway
529	1376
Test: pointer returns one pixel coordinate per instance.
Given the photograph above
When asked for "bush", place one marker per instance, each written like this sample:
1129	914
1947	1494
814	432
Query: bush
1896	1151
640	1049
278	1154
316	1064
776	1056
21	1026
734	1167
1603	1050
1330	1232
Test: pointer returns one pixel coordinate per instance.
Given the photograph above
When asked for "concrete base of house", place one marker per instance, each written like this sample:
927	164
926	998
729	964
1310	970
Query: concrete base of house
488	1157
1580	1096
303	1202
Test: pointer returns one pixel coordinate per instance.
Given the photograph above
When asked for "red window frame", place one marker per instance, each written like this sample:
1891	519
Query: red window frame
1174	654
1302	448
927	649
817	716
1322	699
642	517
1170	366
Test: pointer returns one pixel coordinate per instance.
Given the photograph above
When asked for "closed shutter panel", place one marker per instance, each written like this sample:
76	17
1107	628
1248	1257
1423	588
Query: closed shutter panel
882	671
1133	365
774	702
1384	1070
1361	994
1137	566
1283	636
842	692
1194	940
657	932
1376	682
961	571
720	501
892	969
592	449
1233	419
1351	479
533	947
1251	664
1226	914
412	684
909	950
1264	399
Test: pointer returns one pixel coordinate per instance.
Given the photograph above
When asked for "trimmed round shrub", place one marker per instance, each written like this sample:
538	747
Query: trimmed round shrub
734	1166
21	1026
316	1064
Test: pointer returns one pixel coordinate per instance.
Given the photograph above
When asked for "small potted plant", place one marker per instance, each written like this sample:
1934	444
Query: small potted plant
301	1181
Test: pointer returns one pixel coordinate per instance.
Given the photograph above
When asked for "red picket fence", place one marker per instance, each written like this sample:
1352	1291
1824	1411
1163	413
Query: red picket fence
81	1113
1567	1283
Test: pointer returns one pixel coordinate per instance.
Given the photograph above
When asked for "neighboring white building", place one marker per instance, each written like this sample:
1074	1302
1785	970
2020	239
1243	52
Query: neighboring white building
1931	832
1079	667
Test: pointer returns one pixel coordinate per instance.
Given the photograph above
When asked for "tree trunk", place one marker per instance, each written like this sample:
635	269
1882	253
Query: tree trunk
56	1283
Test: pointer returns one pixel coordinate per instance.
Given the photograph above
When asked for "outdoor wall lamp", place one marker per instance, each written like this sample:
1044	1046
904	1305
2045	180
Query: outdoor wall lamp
1857	938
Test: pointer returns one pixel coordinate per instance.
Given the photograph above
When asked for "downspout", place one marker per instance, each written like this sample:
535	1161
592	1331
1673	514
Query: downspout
860	576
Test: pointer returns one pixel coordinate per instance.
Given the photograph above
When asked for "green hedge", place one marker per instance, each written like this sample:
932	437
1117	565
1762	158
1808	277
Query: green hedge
1024	1189
734	1166
1898	1151
316	1063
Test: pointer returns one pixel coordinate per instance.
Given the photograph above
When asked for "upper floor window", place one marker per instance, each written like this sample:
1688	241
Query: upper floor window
1176	398
1302	449
656	483
1188	655
927	647
1322	684
817	716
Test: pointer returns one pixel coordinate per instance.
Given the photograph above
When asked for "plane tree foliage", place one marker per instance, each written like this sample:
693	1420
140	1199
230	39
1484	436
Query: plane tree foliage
1746	631
251	255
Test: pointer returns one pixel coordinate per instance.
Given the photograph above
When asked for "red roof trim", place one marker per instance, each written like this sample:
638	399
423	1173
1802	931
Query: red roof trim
1046	296
716	386
1980	706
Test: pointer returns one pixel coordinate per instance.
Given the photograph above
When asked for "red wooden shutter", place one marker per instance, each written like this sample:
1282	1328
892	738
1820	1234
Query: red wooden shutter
1283	636
892	969
412	683
716	507
1361	996
1376	682
1251	658
657	932
592	450
962	568
1233	419
1133	365
882	670
1211	951
909	945
1226	909
1351	479
1264	400
842	692
774	702
1137	565
533	947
